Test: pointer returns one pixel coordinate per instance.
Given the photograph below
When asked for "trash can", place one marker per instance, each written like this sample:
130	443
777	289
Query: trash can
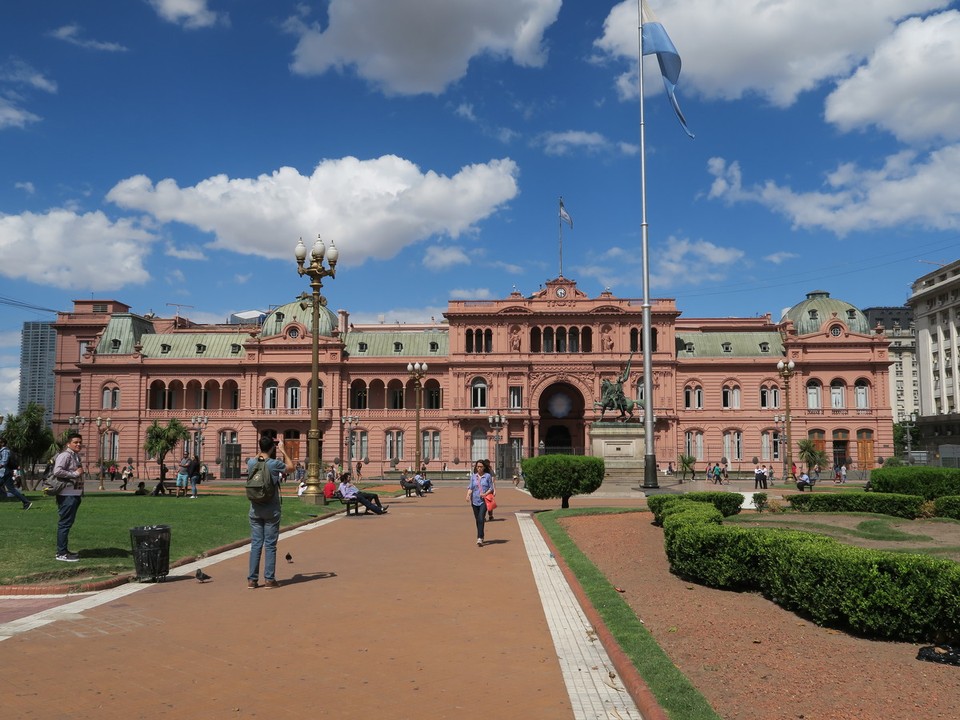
151	552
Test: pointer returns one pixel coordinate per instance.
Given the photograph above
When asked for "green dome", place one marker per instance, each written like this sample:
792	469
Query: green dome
280	317
810	315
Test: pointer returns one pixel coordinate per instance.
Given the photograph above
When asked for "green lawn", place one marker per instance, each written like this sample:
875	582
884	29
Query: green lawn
101	534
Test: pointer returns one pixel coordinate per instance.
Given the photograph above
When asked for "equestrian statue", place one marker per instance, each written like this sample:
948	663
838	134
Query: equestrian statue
612	396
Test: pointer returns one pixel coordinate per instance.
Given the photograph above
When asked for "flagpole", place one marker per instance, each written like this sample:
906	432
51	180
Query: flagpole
650	459
560	235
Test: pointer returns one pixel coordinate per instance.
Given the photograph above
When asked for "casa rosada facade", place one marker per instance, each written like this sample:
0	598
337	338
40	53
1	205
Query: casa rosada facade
536	361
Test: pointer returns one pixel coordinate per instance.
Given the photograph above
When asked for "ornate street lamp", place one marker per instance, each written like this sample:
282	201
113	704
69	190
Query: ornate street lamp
497	422
786	370
350	422
908	428
780	421
417	372
199	423
103	427
316	271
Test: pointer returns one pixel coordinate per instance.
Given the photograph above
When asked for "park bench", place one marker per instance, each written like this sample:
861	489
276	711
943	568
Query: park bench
349	503
801	486
410	486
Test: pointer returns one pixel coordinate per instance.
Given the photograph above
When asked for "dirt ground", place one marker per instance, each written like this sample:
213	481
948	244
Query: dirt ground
751	659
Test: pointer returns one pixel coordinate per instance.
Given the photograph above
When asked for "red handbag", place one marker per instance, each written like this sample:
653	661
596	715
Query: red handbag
491	501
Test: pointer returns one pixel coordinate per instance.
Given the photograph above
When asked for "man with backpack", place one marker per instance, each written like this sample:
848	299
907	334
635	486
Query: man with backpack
7	465
68	471
263	490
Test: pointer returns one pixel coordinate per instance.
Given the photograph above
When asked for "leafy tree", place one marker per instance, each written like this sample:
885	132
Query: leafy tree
809	454
161	439
562	476
900	439
29	437
687	462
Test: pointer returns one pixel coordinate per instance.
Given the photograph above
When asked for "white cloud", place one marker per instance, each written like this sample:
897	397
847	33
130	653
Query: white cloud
442	257
241	279
409	47
909	189
17	72
368	208
470	294
12	115
192	14
69	250
679	263
910	86
14	75
26	186
73	35
778	258
802	43
9	387
563	143
191	253
398	315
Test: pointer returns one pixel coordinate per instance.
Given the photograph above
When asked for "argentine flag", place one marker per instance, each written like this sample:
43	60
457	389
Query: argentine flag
655	41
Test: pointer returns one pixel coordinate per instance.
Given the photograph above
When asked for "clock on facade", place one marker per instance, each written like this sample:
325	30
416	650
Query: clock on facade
561	292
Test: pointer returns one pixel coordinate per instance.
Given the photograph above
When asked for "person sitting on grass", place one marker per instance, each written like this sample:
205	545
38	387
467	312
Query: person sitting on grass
349	491
141	489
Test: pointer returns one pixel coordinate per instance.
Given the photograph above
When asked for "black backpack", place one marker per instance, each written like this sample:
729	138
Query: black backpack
12	462
260	486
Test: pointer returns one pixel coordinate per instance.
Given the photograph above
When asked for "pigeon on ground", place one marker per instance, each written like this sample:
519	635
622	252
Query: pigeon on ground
289	557
202	576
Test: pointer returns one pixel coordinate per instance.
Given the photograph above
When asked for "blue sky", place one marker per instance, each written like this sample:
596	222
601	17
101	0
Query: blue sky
166	152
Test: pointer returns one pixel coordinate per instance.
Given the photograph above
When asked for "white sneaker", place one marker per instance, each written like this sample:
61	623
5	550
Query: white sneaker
68	557
479	542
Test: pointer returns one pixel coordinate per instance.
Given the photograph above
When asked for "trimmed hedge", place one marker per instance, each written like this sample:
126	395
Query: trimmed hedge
726	502
562	476
879	594
905	506
948	506
928	482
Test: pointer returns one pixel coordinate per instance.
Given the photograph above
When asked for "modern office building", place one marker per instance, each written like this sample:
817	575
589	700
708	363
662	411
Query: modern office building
898	326
935	302
537	362
38	353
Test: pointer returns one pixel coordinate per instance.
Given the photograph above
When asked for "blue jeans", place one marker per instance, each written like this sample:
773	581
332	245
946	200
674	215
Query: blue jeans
9	487
480	515
67	506
193	483
264	533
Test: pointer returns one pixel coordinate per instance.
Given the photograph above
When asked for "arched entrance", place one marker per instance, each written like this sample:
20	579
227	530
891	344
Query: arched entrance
561	427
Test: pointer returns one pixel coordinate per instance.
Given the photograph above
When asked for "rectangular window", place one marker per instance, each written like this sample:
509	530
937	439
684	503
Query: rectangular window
431	398
429	444
396	398
516	398
394	444
479	397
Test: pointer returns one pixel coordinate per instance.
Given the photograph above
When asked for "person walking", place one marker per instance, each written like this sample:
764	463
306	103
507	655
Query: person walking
6	475
481	484
68	468
493	484
193	472
265	517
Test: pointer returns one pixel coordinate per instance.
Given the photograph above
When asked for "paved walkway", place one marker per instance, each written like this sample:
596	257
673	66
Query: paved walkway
395	616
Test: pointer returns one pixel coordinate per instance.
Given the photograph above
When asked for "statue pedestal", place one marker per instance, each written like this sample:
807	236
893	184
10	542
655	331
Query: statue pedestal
622	447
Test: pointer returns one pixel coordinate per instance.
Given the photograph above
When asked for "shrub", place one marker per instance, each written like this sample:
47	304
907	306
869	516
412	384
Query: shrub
928	482
947	506
760	502
562	476
879	594
905	506
726	503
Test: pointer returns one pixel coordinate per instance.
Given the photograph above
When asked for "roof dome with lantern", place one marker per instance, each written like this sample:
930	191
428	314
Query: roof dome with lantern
810	315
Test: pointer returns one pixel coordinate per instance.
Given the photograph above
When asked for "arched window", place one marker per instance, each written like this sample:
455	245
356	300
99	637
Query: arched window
468	338
292	392
813	395
634	340
358	395
838	395
270	395
586	339
693	397
478	394
488	341
693	443
111	397
478	445
731	397
535	340
310	394
769	397
733	445
573	339
861	394
561	340
548	340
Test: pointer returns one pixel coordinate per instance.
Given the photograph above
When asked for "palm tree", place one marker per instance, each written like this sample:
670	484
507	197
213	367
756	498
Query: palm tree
29	438
809	454
162	439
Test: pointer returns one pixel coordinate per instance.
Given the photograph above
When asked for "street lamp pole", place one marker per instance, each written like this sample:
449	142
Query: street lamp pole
496	424
786	370
780	421
908	427
103	427
350	421
199	423
316	271
417	371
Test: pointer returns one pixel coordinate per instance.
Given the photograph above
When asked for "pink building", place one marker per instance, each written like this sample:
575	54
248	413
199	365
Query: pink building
537	361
